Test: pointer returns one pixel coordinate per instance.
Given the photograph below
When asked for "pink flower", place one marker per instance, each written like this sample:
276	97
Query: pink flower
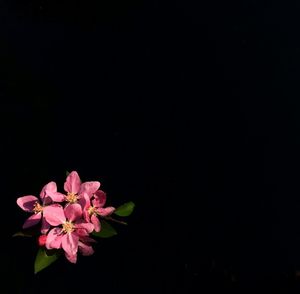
77	191
32	204
73	228
92	211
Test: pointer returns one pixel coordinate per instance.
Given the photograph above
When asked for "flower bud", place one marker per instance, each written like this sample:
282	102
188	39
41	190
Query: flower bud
42	240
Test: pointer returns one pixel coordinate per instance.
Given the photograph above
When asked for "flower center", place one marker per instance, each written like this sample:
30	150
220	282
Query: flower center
67	227
71	197
37	207
92	210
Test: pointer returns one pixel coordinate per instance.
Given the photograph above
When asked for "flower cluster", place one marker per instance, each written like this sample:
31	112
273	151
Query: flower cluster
67	219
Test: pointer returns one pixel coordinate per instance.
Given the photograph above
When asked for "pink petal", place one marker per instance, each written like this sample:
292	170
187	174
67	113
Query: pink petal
54	239
49	188
84	200
89	188
100	198
27	202
105	211
70	243
47	200
86	216
95	221
87	240
85	249
82	233
85	210
72	183
54	214
45	226
56	196
71	258
73	212
32	220
86	226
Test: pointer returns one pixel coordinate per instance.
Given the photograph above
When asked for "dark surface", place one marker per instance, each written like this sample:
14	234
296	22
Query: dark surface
192	112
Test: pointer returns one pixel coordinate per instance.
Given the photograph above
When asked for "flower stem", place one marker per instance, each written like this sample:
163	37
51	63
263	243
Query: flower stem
115	220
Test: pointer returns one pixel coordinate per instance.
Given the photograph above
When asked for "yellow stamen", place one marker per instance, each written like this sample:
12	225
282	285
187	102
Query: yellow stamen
92	210
71	197
37	207
67	227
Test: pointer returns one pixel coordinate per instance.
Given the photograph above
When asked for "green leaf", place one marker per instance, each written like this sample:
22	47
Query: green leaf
125	210
67	173
44	258
107	230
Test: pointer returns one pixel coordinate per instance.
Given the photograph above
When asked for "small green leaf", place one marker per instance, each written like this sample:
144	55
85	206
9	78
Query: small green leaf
125	210
107	230
44	258
22	234
67	173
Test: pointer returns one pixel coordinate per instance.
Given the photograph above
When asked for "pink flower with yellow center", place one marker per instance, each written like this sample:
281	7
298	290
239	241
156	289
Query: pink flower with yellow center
95	208
72	228
33	205
78	192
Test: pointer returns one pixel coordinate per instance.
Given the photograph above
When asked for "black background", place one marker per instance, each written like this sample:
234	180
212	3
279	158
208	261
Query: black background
189	110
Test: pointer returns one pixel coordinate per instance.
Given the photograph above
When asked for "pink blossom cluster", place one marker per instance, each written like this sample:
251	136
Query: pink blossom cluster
67	219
